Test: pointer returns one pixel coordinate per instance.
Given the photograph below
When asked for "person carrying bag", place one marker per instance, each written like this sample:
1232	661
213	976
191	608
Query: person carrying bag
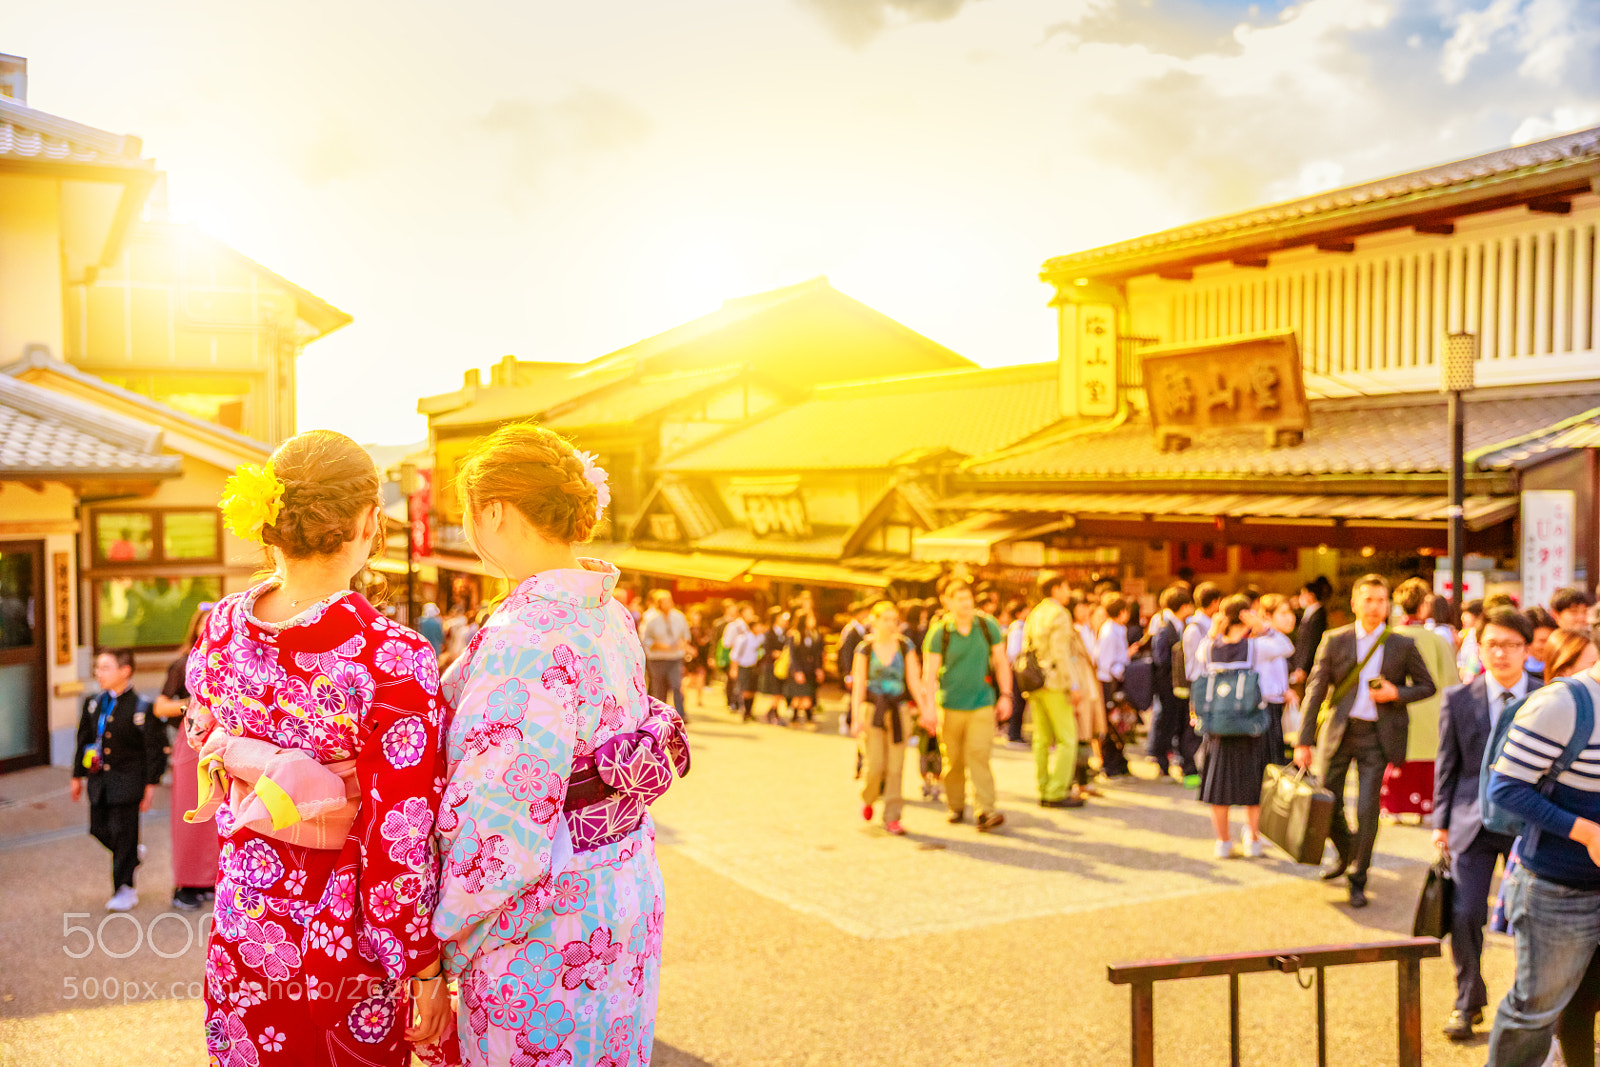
1233	718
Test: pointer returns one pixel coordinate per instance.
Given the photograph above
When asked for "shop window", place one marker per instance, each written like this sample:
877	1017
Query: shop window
149	612
126	538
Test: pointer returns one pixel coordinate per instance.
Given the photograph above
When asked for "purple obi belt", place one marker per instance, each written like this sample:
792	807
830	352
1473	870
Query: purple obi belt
611	787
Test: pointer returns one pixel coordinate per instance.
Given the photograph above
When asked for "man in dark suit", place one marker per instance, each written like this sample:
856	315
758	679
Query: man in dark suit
1467	718
121	752
1170	730
1363	677
1313	624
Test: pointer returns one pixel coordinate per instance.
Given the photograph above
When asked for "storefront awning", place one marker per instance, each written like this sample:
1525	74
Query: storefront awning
702	566
972	539
459	564
425	572
831	574
1482	512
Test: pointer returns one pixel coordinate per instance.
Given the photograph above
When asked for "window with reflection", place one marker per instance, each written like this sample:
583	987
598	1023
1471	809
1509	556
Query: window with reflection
149	612
155	536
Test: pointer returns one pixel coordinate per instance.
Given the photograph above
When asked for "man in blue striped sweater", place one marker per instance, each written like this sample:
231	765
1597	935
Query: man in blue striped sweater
1553	902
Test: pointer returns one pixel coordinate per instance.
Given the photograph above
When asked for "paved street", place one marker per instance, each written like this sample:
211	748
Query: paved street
797	934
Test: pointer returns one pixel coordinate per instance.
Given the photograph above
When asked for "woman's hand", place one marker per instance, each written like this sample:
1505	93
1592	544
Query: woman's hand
431	1000
858	722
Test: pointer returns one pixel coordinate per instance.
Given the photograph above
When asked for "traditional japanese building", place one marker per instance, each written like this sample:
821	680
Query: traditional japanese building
755	356
834	491
139	365
1264	387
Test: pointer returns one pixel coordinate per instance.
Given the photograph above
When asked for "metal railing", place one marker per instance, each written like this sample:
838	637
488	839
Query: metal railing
1408	954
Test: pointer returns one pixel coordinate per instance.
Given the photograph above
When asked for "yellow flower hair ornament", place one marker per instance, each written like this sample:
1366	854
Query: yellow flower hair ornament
251	499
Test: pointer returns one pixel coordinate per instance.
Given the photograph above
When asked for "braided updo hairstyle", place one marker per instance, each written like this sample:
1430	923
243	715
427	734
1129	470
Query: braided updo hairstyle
329	484
536	471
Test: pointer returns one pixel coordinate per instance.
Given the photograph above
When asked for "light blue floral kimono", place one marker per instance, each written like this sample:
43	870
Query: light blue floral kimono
558	952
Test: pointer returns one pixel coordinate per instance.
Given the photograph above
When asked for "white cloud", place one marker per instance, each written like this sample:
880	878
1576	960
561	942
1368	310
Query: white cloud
1561	120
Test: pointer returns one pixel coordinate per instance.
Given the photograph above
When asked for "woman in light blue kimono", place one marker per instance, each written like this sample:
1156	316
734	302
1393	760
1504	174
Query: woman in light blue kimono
550	899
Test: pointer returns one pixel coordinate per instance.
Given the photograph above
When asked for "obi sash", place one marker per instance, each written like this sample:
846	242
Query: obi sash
611	787
282	793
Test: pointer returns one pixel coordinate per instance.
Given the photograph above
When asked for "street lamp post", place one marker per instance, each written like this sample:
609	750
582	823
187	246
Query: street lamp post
408	489
1456	376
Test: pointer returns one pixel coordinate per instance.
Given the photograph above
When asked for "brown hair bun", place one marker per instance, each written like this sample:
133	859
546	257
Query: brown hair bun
329	483
536	471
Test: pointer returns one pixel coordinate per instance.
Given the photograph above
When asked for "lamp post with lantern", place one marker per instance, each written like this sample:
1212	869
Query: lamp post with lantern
1457	376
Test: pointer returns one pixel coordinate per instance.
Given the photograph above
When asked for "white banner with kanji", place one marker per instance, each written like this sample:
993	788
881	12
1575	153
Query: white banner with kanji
1547	543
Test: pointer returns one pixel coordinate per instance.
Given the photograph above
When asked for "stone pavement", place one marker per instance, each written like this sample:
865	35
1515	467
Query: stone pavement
798	934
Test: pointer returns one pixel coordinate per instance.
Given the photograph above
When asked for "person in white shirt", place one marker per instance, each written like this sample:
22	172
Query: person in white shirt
1111	651
1362	679
664	632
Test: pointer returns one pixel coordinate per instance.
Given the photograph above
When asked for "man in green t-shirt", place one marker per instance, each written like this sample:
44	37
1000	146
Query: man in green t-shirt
964	664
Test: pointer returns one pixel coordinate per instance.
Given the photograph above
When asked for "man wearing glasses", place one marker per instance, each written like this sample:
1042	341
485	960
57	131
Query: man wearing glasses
1467	719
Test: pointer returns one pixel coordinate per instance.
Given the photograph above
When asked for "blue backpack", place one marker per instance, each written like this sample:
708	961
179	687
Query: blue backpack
1501	821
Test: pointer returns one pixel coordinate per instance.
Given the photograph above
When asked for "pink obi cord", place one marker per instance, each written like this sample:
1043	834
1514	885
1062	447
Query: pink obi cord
282	793
611	787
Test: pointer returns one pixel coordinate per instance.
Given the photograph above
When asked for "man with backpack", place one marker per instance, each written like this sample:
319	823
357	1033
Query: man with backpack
1541	786
1468	715
964	657
1053	655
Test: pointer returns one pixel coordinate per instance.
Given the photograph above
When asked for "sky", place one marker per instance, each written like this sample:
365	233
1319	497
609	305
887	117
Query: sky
557	180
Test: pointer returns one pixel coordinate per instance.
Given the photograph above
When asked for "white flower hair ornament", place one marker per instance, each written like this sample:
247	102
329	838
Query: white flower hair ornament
597	476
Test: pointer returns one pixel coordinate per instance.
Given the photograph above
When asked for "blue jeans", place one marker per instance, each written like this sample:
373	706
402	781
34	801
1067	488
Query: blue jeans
1556	929
666	676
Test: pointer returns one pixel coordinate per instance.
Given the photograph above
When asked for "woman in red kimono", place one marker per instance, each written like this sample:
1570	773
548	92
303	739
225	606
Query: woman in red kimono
317	724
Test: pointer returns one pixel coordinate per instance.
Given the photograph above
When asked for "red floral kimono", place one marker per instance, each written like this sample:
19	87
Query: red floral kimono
309	947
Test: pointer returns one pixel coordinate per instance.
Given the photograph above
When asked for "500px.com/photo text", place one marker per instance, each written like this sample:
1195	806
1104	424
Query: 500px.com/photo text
112	989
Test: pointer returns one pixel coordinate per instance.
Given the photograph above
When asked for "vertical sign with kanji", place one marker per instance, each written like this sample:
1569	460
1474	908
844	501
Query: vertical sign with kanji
421	503
1547	543
1097	359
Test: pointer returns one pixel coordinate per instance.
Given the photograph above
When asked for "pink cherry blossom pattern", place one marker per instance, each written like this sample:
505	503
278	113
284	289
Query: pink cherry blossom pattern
407	828
586	961
266	949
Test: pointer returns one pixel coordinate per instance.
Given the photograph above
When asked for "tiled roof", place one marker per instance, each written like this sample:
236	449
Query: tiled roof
38	361
694	506
43	434
26	134
1484	172
637	398
1395	435
868	425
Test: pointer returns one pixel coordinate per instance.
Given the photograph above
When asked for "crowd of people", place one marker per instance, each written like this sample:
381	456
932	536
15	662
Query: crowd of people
1410	700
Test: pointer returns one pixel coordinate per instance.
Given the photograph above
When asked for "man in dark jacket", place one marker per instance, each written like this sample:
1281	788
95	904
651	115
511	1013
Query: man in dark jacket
1467	719
1170	731
1363	677
1313	624
121	752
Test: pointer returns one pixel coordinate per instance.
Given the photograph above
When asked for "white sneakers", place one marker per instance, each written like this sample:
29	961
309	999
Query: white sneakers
125	899
1254	848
